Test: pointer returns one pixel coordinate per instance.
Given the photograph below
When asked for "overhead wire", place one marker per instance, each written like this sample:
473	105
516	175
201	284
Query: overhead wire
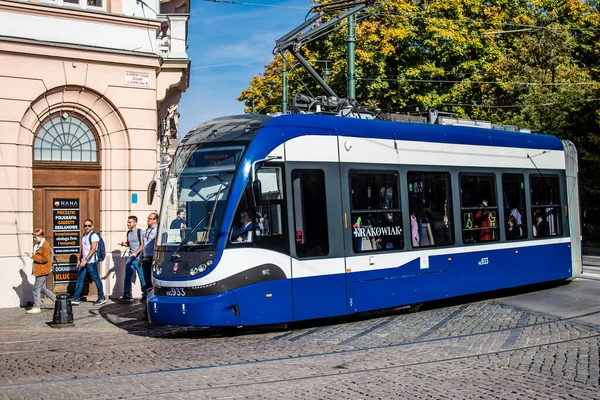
478	82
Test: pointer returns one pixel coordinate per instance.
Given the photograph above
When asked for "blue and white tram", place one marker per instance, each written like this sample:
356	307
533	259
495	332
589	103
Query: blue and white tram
299	217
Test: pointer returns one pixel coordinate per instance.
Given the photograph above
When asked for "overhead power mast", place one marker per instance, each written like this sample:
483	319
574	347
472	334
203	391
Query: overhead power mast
297	37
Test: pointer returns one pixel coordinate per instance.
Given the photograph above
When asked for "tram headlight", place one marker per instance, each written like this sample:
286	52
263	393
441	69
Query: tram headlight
156	268
200	268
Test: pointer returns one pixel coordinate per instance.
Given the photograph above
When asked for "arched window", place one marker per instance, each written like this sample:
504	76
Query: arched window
66	138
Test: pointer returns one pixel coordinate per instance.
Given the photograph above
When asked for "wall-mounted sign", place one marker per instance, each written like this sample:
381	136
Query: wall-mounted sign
138	79
65	272
65	217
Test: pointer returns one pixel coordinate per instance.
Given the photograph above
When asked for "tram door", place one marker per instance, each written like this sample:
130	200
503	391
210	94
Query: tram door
317	248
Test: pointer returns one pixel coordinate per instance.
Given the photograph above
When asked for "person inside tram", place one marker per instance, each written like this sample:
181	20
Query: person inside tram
482	221
179	222
514	212
513	231
541	227
414	230
243	233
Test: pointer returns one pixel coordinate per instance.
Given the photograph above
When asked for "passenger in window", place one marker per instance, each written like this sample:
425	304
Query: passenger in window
482	221
515	213
244	232
263	225
541	227
513	231
414	230
179	222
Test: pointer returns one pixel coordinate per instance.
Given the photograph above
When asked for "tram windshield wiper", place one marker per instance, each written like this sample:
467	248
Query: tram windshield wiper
176	256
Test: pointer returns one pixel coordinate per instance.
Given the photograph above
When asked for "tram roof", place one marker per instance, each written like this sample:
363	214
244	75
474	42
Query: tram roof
248	126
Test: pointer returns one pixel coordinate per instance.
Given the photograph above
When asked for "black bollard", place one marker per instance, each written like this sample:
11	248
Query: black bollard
63	310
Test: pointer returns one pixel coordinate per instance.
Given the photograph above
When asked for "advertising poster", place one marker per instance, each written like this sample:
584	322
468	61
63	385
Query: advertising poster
65	219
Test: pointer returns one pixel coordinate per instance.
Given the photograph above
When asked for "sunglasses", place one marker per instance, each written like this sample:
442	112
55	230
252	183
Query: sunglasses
243	215
87	226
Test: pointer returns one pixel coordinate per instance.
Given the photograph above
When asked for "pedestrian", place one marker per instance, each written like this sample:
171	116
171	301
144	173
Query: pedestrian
88	264
42	266
148	252
134	243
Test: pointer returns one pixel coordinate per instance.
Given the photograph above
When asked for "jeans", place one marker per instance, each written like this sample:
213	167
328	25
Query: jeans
92	269
40	285
147	269
131	265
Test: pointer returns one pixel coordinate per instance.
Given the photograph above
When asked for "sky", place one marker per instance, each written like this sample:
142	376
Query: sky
228	45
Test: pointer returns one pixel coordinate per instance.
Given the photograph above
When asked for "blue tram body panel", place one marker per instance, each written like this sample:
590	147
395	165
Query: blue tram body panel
265	302
319	297
213	310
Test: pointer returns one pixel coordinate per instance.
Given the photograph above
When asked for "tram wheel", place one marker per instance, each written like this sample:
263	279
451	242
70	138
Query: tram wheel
414	307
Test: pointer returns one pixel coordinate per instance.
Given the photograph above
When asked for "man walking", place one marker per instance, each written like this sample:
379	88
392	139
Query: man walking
135	244
88	264
148	251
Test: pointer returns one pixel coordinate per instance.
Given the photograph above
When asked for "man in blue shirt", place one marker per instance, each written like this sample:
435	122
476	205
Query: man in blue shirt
148	238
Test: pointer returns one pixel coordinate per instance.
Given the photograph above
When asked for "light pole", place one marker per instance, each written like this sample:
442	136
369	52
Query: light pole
350	40
284	97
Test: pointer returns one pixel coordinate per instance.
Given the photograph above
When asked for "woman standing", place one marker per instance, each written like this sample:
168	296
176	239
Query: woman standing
42	266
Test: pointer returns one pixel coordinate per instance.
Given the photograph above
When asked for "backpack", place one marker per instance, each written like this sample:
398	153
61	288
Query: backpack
139	233
101	249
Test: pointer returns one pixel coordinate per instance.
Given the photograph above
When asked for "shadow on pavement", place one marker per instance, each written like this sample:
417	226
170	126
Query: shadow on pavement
131	317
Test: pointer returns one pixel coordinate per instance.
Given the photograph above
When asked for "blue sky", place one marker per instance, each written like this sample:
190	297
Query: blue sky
228	45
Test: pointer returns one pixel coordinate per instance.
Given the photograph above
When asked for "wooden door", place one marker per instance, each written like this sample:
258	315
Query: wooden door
60	212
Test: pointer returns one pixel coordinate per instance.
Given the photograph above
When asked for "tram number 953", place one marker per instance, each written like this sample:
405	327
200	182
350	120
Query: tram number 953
175	292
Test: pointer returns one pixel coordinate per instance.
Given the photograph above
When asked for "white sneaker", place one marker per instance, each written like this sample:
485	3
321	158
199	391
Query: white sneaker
34	310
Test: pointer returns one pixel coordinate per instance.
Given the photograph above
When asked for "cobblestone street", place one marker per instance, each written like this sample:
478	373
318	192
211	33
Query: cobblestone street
466	350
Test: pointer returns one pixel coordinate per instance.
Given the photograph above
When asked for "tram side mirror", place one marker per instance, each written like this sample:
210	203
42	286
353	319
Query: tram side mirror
253	193
151	191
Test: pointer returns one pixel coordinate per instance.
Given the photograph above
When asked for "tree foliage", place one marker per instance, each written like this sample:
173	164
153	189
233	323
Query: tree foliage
541	72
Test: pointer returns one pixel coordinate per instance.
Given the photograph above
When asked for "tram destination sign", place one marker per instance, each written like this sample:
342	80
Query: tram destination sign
65	217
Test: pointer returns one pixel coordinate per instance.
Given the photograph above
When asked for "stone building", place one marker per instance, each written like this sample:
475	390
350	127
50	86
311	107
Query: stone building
87	88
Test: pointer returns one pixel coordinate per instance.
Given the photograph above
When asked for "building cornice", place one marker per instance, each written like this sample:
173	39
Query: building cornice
50	10
66	51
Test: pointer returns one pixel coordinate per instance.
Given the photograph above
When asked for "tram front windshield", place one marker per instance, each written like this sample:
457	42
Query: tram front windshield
196	196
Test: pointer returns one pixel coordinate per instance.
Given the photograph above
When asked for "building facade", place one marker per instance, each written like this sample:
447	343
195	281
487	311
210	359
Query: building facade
88	98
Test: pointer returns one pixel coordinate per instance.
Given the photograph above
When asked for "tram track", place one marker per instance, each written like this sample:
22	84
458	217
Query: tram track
304	377
156	333
339	373
332	353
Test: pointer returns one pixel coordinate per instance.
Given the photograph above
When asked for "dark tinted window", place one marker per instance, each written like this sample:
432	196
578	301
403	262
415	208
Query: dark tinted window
479	208
310	213
430	206
376	215
545	206
513	192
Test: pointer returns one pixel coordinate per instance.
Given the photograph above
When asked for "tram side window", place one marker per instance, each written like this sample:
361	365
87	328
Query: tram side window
545	206
513	192
479	208
310	213
430	206
376	215
269	212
